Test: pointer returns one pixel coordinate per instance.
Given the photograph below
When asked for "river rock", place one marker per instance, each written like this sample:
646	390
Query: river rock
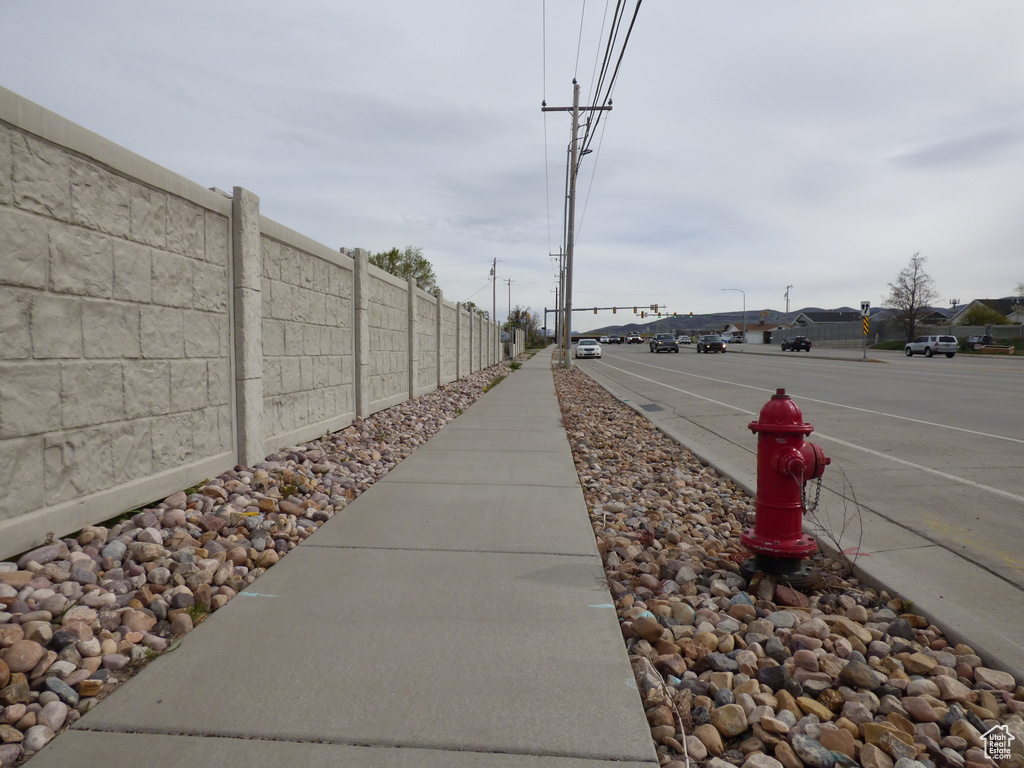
23	655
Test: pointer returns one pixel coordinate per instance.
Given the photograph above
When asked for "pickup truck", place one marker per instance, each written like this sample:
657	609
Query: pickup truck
664	342
634	338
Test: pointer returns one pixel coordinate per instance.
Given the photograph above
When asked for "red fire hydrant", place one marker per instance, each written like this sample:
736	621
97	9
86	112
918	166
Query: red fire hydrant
785	464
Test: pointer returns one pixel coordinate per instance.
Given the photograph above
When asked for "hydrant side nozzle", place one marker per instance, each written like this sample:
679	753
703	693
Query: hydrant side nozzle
792	464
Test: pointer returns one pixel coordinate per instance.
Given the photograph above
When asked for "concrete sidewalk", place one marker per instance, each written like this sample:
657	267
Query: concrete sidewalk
453	615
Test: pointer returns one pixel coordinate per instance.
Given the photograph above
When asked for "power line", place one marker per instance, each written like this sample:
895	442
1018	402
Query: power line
592	126
579	41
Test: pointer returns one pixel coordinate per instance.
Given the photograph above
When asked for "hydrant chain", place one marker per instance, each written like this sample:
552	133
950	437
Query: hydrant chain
810	509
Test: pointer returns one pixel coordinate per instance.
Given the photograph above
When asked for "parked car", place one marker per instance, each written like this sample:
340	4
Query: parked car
796	344
682	339
664	342
931	345
710	343
634	338
587	348
973	342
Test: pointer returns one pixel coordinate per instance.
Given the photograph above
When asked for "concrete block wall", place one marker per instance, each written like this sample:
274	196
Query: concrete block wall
388	320
308	341
426	322
449	343
115	371
154	333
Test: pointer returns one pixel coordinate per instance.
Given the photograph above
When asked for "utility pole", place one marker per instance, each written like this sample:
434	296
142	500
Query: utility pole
787	302
574	159
509	281
494	289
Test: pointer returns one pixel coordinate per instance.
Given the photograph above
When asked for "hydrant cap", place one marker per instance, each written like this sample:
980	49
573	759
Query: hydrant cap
781	414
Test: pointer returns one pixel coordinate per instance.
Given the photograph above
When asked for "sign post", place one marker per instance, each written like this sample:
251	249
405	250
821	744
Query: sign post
865	313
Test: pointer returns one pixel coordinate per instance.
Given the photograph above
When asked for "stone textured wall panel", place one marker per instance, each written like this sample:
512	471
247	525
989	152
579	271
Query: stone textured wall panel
29	399
110	330
25	249
162	332
149	216
133	272
91	393
100	200
6	166
15	324
186	232
56	326
81	262
306	308
41	177
22	458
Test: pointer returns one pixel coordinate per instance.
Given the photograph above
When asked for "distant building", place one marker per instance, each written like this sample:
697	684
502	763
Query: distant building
1011	307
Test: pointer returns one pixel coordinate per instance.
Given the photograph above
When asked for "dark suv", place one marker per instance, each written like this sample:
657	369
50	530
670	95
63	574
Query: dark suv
796	344
710	343
664	341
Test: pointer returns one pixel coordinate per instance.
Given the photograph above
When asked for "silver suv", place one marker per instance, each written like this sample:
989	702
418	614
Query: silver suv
931	345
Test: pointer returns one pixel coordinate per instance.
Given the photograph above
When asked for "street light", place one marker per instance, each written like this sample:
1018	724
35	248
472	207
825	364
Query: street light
744	310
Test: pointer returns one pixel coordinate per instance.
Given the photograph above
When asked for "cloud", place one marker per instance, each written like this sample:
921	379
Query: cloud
964	151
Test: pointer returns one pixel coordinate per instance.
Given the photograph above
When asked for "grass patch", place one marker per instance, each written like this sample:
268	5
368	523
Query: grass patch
493	384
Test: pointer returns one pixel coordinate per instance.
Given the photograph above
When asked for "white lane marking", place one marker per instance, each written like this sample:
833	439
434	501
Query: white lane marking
853	446
936	472
834	405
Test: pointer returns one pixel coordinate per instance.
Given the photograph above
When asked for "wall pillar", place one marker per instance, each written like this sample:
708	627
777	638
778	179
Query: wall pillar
458	341
439	298
361	305
414	343
248	324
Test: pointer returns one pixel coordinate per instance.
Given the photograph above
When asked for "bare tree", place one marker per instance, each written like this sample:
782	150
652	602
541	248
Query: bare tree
911	294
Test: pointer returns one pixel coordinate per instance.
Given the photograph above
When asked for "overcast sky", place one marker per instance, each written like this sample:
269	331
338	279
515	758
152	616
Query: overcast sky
753	144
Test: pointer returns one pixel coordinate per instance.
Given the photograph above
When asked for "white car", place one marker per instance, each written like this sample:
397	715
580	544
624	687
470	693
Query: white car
605	340
587	348
932	345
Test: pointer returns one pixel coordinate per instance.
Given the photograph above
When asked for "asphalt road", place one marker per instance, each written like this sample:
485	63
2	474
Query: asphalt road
926	485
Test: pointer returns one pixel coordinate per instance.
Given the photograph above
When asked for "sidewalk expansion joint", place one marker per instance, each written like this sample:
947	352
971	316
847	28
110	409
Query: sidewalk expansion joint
314	545
382	745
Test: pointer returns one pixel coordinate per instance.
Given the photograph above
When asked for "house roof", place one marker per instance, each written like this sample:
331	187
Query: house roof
835	316
1006	307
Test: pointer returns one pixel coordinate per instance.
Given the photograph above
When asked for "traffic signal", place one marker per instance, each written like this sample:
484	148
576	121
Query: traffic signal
614	310
656	310
691	314
595	310
641	314
634	310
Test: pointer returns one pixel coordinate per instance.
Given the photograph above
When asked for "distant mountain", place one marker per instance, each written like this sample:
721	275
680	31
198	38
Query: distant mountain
709	322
